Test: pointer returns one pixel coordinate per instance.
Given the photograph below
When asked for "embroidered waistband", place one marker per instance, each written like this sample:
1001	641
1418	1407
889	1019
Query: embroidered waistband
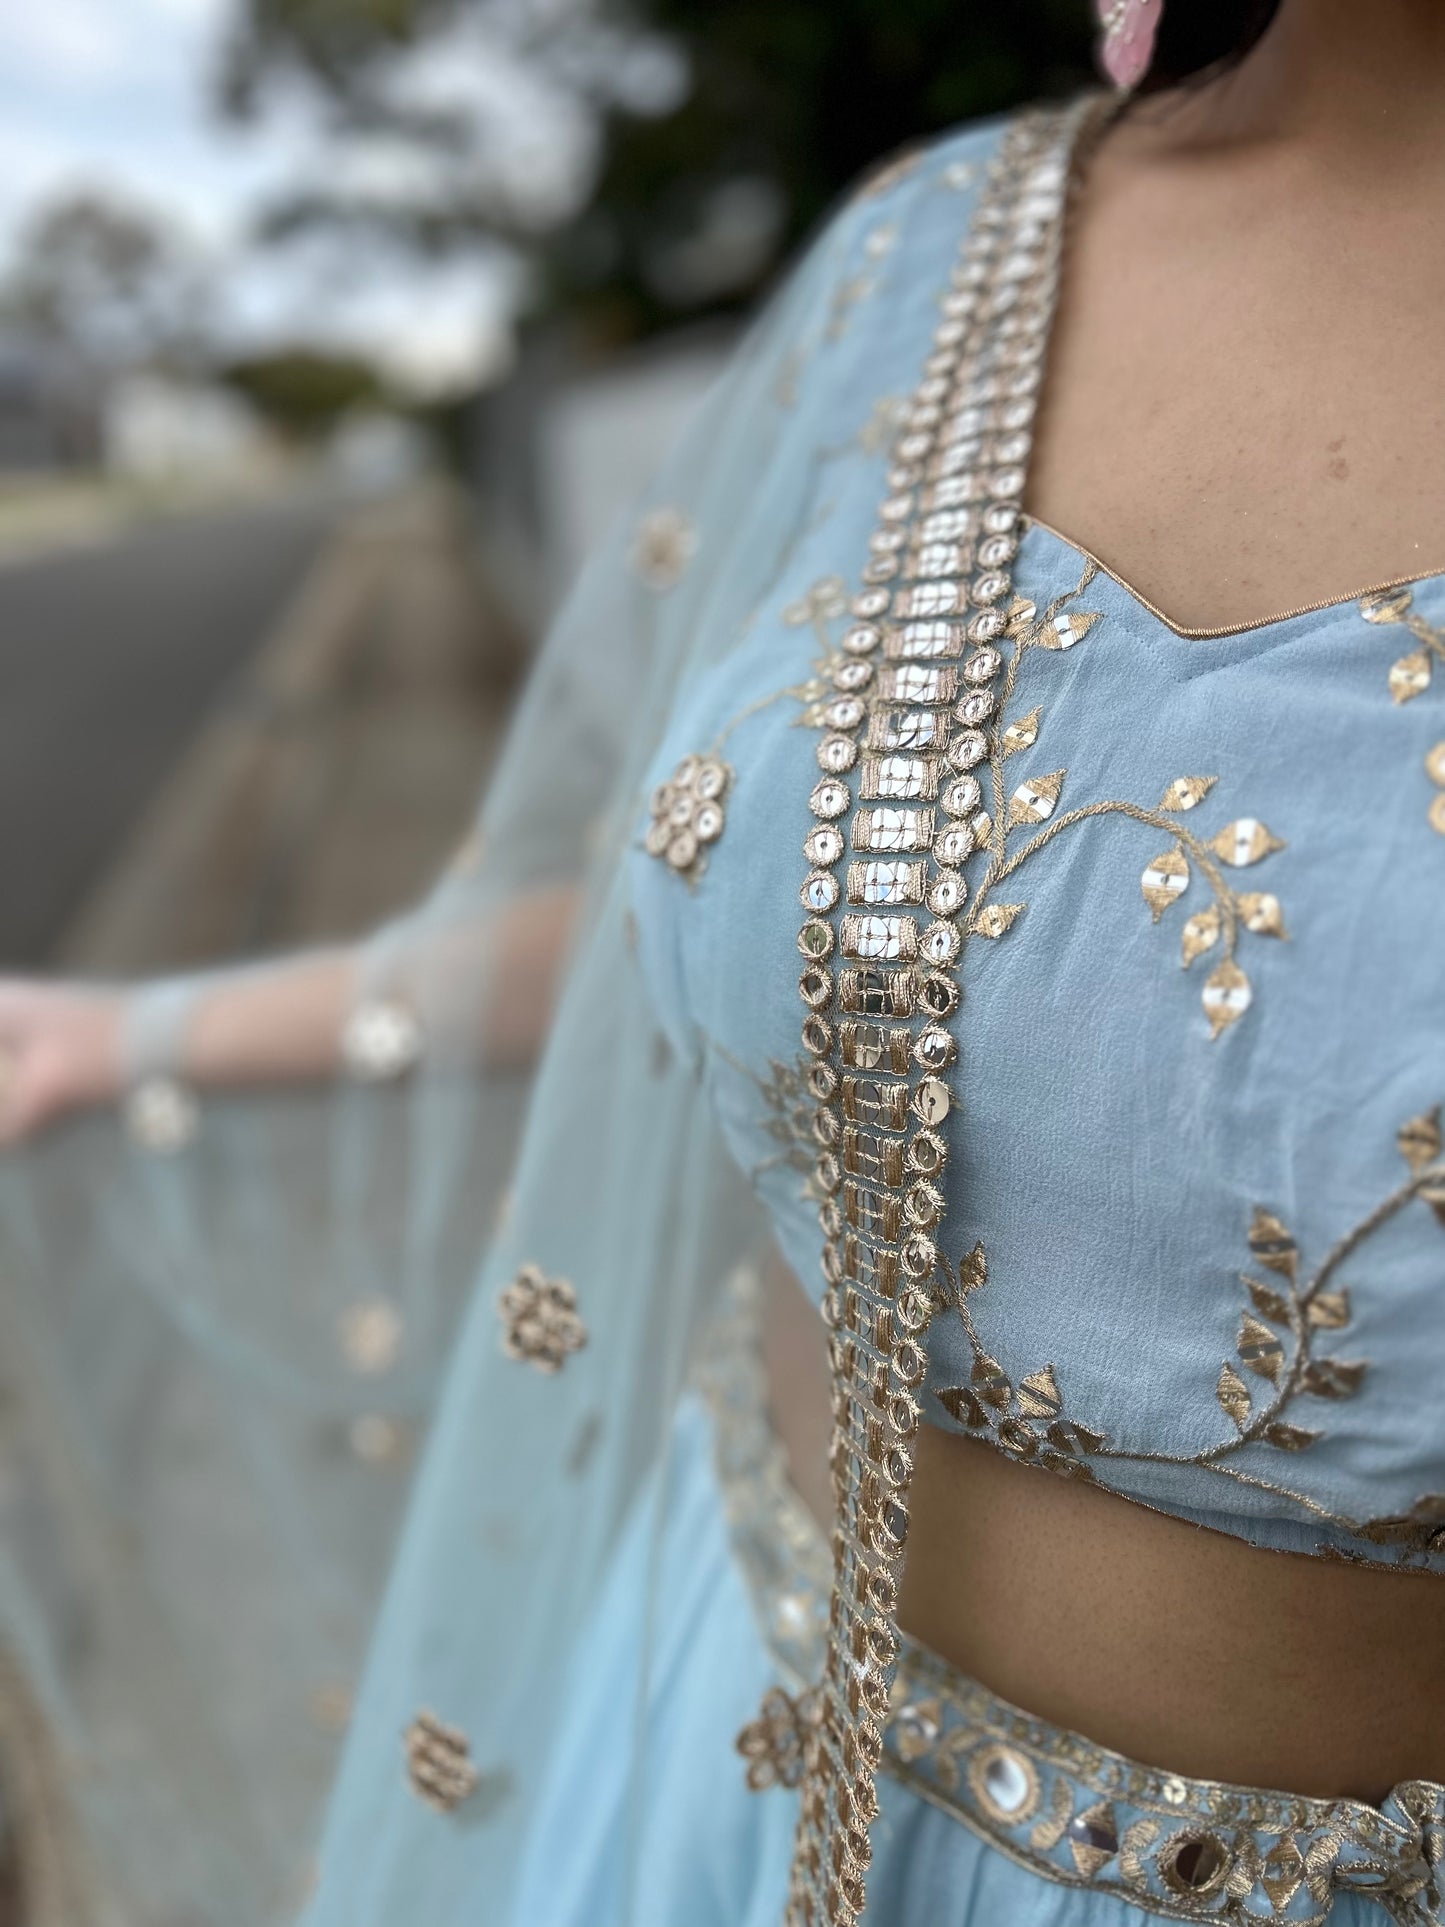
1185	1849
1052	1801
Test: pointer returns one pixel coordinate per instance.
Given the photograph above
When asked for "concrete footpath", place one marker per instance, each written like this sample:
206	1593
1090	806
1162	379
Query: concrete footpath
337	772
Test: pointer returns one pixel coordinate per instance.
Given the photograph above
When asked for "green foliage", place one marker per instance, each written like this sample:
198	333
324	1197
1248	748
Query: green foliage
806	94
303	391
793	98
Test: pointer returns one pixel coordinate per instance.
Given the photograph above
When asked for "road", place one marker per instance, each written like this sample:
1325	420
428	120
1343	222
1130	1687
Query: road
110	655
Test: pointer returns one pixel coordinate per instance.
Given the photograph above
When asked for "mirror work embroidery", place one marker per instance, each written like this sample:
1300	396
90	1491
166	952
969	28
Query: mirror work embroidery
905	712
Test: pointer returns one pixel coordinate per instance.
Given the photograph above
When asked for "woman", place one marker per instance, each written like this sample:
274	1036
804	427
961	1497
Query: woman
1130	1275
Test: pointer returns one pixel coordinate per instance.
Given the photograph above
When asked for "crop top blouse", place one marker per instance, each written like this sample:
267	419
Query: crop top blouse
1116	1074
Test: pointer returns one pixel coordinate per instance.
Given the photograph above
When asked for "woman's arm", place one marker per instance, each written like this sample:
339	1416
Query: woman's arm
63	1047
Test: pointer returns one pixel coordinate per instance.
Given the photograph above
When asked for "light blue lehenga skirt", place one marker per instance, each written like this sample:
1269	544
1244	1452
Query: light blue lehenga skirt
989	1818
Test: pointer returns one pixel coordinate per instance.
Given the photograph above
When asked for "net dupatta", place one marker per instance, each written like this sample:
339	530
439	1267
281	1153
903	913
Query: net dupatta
226	1317
879	990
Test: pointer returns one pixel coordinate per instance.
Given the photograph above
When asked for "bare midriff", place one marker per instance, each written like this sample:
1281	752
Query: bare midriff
1181	1647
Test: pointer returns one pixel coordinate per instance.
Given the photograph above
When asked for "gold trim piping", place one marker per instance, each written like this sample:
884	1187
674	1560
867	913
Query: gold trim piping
1229	629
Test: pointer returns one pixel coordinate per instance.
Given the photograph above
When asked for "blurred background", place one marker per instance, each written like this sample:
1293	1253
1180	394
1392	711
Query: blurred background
321	323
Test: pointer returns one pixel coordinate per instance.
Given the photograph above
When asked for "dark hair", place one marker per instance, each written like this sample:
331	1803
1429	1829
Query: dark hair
1197	37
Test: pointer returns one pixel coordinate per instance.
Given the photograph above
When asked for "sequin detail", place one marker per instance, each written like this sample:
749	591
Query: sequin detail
1272	1389
161	1116
932	591
688	814
663	548
382	1040
1411	675
439	1763
540	1323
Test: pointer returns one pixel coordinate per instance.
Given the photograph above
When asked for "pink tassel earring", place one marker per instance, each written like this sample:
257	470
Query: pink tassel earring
1127	46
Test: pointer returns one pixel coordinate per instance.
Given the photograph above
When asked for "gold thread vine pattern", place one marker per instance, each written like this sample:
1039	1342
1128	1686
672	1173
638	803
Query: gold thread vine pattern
895	815
1276	1364
1411	675
1226	993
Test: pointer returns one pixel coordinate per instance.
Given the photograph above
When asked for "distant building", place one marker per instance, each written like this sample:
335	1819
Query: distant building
159	427
565	446
51	406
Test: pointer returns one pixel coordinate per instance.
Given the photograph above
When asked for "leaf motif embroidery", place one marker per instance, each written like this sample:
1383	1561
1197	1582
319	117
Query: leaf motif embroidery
1390	605
995	918
1268	1302
1039	1395
1023	734
1260	1349
1185	791
1065	630
1201	933
958	1401
1233	1395
1289	1438
1243	842
1329	1310
1262	914
1166	878
991	1382
1226	996
1035	799
973	1269
1410	676
1334	1377
1419	1139
1021	613
1275	1249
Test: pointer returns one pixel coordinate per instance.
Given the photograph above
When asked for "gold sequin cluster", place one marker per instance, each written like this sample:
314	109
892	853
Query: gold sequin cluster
1410	676
539	1318
907	727
439	1763
688	814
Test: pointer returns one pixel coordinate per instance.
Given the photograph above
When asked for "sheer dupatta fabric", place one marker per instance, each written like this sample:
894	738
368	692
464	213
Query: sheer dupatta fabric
227	1317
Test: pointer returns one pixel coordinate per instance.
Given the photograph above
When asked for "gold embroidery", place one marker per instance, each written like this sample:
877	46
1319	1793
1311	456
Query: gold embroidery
439	1764
1226	993
826	600
889	174
663	547
161	1115
688	814
776	1744
907	692
1410	676
1077	1814
885	419
1279	1327
381	1041
846	297
370	1332
540	1325
1435	770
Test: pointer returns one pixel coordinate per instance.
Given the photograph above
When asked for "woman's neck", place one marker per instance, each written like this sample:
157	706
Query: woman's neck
1360	80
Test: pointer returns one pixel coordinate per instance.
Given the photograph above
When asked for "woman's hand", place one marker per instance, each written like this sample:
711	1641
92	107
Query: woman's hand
59	1052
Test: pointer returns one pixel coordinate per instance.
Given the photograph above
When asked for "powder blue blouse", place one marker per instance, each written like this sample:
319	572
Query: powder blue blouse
1195	1184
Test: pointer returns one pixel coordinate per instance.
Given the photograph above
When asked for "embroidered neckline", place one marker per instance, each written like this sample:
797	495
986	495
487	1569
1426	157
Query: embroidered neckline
1227	630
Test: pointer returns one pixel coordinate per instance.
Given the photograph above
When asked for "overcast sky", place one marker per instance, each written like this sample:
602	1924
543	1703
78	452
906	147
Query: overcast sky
116	94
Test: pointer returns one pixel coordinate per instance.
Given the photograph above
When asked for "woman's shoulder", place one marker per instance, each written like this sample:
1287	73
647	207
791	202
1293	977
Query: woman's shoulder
952	158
